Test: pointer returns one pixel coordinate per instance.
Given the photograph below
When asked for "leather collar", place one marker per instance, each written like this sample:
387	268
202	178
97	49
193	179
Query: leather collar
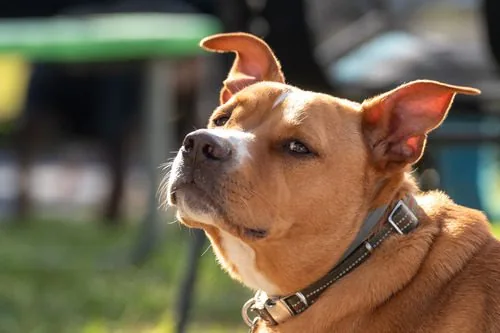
400	218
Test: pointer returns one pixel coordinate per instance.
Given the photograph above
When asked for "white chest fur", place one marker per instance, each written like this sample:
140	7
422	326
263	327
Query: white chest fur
242	257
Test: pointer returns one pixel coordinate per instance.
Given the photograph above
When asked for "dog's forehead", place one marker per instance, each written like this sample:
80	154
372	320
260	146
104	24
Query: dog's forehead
299	107
286	104
288	100
295	104
281	97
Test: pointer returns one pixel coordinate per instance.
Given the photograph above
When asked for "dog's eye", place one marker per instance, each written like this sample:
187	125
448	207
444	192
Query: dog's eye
297	148
221	121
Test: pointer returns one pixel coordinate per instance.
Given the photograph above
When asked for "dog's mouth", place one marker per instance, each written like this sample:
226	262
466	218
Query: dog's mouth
255	233
202	203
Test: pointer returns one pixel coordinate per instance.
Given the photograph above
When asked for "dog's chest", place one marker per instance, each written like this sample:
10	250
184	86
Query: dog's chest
242	257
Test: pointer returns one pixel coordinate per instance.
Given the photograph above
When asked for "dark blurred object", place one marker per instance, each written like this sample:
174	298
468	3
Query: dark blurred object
438	42
282	24
96	101
491	12
69	105
187	292
35	8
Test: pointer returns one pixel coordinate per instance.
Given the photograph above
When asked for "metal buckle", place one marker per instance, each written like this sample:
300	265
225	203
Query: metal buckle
270	308
278	309
302	298
244	312
273	310
400	204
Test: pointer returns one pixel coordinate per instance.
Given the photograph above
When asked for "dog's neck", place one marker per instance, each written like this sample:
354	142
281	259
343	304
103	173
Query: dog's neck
288	279
281	275
374	285
376	220
387	190
393	268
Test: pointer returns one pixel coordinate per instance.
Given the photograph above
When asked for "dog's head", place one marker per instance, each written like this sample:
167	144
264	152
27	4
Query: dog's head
282	178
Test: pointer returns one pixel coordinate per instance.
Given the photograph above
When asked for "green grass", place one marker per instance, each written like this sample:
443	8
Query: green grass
496	229
71	278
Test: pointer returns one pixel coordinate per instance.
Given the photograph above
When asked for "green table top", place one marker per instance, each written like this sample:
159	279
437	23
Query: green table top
107	37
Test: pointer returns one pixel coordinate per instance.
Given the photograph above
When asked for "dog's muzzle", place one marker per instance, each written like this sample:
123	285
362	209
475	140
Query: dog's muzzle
203	157
202	146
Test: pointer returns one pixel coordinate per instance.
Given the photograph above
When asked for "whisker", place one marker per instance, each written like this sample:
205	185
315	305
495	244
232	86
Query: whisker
166	165
173	222
162	192
209	246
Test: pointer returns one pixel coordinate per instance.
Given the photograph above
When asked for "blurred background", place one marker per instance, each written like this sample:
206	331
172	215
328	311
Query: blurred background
95	96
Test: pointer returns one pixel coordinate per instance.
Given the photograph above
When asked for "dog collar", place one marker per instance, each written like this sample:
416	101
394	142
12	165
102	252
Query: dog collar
275	310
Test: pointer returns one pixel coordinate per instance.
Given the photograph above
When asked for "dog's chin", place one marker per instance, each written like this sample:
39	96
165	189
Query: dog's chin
193	204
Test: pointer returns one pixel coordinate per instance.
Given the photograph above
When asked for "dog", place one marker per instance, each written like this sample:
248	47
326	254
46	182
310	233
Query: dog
309	200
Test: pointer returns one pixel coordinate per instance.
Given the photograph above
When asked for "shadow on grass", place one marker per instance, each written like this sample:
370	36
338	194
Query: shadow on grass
71	277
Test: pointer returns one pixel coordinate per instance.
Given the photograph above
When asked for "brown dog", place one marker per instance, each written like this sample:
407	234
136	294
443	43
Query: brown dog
308	199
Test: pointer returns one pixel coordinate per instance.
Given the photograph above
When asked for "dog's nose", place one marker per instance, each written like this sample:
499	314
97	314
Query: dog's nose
205	145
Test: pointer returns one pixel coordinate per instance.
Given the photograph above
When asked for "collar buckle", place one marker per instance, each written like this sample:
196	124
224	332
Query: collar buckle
401	205
302	298
278	310
247	307
273	310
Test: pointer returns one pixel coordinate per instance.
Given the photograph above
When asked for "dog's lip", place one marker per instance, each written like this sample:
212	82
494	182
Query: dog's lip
173	191
179	185
255	233
247	232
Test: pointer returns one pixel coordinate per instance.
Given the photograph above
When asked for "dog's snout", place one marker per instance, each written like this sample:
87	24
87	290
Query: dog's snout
204	145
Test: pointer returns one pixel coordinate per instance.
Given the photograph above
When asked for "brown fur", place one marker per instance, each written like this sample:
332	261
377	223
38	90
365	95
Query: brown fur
443	277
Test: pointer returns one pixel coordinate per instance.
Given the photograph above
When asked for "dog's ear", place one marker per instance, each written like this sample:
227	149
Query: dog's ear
396	123
254	61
